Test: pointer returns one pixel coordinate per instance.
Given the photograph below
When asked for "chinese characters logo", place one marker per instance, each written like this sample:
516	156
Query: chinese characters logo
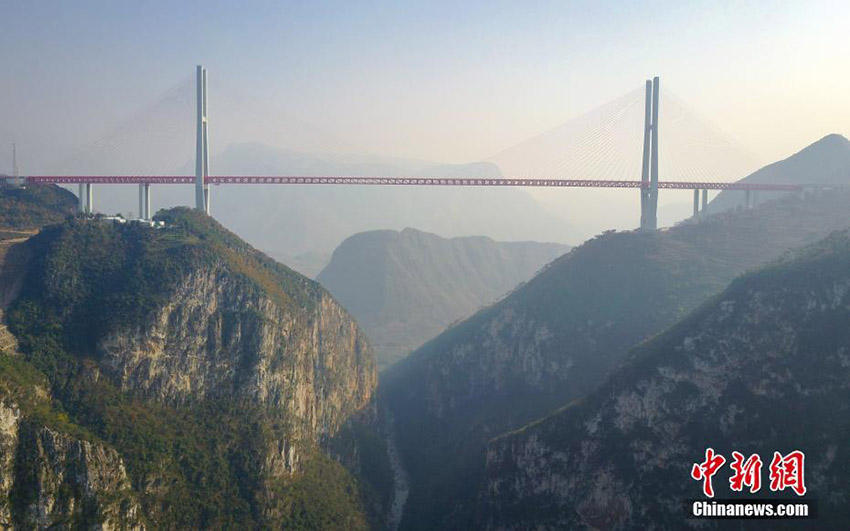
786	472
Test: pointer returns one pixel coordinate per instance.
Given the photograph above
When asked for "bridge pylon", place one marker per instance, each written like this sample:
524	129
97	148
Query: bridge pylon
649	170
202	146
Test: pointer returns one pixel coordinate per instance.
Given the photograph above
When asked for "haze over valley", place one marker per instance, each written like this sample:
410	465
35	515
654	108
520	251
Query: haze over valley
424	266
406	287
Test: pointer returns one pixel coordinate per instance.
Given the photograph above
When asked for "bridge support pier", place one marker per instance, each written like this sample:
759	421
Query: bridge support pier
148	209
145	201
696	202
89	198
748	199
81	196
700	212
16	180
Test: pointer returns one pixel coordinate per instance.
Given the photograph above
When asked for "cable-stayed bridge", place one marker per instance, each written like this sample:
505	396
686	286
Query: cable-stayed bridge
613	146
403	181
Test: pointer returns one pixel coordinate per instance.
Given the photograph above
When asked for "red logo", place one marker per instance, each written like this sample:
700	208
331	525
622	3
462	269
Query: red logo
787	472
705	471
746	473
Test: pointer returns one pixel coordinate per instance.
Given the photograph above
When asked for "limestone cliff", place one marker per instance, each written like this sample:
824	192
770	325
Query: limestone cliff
763	367
216	337
50	479
52	474
558	337
186	370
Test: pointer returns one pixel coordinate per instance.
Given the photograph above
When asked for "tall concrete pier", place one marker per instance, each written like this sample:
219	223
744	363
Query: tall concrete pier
145	201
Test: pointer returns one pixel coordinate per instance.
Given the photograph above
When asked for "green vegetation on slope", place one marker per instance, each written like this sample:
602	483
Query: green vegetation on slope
193	466
375	477
761	367
201	460
128	271
34	206
558	336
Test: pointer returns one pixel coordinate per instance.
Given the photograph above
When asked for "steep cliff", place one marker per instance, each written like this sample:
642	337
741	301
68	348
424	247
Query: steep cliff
559	335
51	472
763	367
55	479
216	377
406	287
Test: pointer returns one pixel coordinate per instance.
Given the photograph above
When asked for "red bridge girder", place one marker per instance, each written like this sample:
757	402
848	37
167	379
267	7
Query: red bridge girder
406	181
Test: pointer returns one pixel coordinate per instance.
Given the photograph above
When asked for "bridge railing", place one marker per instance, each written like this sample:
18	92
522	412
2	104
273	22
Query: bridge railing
407	181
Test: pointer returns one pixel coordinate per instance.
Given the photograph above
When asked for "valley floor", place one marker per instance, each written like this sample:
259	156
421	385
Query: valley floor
401	481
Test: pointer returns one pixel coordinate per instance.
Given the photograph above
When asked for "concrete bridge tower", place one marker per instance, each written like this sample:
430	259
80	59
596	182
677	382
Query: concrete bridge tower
649	171
202	146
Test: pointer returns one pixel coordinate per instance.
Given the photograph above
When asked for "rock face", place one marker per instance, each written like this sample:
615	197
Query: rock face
216	337
406	287
52	479
763	367
10	416
188	373
558	336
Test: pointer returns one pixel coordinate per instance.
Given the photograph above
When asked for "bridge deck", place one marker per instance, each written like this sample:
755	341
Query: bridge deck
406	181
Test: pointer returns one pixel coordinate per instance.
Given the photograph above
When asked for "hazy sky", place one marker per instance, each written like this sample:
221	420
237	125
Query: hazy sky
448	81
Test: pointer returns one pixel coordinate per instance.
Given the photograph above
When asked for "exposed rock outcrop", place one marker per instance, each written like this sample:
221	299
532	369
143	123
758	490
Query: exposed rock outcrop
50	479
217	337
764	367
559	336
193	381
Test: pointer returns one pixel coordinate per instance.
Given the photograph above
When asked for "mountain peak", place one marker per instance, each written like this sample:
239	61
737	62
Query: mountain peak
829	144
834	137
826	161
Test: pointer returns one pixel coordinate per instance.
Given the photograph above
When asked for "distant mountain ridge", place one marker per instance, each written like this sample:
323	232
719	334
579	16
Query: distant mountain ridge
762	367
559	335
826	161
405	287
